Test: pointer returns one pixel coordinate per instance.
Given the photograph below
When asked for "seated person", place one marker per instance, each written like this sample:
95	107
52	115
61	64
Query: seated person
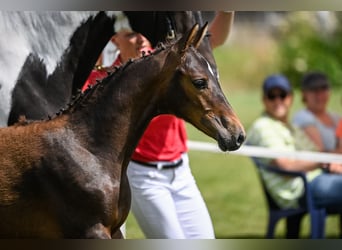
339	137
273	130
315	120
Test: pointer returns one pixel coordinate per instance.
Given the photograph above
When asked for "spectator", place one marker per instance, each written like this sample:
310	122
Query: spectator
166	201
273	130
339	137
316	121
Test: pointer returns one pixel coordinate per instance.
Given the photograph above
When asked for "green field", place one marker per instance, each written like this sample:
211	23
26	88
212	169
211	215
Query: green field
228	182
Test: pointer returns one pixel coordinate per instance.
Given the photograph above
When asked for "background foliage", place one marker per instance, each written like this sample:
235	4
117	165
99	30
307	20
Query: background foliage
306	42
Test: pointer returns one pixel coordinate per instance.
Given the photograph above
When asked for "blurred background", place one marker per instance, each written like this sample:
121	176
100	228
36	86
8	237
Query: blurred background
261	43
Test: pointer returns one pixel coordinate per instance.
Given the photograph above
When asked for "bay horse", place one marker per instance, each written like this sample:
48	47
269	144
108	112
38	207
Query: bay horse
65	177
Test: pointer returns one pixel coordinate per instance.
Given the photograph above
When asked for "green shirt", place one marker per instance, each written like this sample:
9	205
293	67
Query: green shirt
271	133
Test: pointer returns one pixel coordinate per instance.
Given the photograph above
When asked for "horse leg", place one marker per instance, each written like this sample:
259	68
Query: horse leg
98	231
117	234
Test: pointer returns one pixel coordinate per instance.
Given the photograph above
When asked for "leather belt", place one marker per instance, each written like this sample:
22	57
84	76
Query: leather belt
166	165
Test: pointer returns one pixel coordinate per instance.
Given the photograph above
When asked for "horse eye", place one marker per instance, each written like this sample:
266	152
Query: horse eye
200	83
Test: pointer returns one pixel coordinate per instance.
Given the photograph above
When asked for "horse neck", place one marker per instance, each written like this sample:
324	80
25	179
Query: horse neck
115	116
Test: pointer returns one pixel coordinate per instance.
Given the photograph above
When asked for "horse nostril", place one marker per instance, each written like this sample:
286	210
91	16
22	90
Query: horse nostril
240	138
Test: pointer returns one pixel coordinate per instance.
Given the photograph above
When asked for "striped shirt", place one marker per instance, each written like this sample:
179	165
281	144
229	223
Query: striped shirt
271	133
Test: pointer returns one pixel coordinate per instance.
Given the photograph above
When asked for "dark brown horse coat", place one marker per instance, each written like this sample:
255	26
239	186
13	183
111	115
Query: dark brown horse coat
66	177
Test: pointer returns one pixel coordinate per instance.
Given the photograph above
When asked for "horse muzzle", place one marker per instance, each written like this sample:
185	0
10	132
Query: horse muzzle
229	133
231	143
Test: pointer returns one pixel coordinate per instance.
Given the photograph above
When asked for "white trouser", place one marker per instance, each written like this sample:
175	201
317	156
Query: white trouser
167	203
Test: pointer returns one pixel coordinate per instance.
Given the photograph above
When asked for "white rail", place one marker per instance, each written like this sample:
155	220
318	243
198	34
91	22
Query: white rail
268	153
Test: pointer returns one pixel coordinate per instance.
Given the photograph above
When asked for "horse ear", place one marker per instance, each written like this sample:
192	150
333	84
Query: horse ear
188	39
200	35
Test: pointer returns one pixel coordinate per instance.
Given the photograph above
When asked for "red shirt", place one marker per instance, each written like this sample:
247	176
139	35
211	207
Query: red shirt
163	140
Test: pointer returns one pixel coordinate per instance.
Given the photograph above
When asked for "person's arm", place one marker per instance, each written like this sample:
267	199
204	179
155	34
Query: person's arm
304	166
220	27
99	61
313	133
339	146
339	138
295	165
307	122
335	168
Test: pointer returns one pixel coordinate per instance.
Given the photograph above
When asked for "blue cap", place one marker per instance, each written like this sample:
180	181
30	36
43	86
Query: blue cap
277	81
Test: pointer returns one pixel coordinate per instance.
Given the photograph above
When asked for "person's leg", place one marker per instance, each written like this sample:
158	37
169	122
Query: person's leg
192	212
326	190
152	204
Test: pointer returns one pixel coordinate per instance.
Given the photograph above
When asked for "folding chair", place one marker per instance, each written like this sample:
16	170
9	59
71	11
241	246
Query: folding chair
293	216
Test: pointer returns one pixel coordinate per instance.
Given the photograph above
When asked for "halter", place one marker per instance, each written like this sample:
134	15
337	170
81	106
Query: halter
170	34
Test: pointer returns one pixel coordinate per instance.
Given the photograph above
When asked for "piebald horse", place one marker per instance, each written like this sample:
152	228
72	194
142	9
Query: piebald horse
65	177
38	93
47	52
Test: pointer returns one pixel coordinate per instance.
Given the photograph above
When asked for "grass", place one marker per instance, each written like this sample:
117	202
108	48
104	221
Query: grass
229	183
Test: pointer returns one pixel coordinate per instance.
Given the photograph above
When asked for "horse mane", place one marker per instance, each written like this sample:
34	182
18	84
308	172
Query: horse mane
22	121
36	67
78	100
81	99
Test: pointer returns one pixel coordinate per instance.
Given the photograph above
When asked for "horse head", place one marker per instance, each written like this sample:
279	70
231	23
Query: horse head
161	26
199	99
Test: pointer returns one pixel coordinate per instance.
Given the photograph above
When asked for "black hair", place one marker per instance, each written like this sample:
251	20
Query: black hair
313	76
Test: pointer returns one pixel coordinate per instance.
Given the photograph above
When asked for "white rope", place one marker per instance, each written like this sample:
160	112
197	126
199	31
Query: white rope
269	153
